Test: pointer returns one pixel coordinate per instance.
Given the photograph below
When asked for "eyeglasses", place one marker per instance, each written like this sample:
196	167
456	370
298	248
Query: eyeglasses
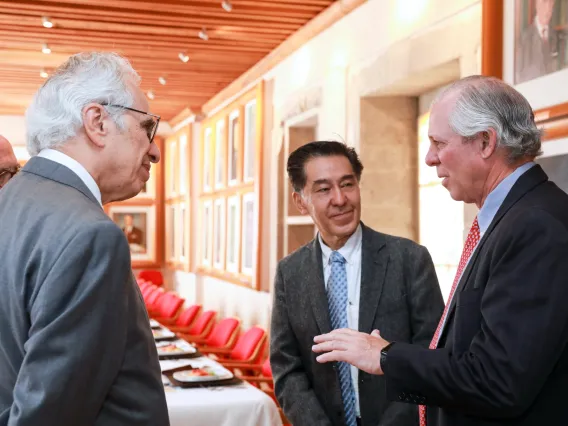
7	174
151	127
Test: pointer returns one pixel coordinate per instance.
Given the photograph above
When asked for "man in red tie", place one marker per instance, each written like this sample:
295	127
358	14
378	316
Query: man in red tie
500	353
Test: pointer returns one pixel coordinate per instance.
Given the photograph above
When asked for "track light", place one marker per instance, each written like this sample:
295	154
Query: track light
203	34
162	81
150	95
183	57
46	22
226	4
43	74
45	49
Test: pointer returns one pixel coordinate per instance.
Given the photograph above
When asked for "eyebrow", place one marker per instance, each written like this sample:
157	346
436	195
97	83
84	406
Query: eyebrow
327	181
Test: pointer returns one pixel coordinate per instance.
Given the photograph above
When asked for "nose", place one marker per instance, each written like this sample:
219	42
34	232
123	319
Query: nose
432	157
337	196
154	153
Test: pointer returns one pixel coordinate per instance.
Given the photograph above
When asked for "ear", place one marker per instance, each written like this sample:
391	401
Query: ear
488	143
96	127
299	202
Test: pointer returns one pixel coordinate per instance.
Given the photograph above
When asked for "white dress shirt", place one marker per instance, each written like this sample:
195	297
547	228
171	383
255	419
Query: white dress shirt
75	167
351	251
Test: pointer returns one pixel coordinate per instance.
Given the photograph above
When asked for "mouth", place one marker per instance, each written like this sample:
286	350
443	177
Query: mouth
341	215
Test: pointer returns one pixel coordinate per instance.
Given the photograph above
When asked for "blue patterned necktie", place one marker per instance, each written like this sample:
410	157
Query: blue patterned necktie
337	302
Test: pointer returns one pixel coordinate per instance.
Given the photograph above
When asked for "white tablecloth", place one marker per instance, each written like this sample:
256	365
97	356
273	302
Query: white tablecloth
238	405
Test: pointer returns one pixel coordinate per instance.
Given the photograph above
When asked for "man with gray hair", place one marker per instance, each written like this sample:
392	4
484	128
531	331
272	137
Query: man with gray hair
500	353
8	163
75	342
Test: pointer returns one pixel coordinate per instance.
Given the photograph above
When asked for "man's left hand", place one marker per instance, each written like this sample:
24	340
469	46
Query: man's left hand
358	349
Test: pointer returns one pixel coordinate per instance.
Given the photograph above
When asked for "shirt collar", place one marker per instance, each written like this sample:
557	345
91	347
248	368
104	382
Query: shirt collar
74	166
497	196
348	250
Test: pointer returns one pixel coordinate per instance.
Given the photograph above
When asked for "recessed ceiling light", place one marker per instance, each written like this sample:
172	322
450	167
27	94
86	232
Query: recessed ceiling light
162	81
46	22
45	49
43	74
203	34
226	4
183	57
150	95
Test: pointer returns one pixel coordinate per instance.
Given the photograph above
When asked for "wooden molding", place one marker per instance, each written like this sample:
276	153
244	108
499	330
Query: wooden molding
321	22
492	38
554	121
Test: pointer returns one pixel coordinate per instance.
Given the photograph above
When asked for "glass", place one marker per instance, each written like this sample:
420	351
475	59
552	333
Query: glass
151	131
7	174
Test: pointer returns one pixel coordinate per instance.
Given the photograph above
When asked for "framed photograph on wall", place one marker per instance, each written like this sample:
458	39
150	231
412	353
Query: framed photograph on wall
219	157
540	46
233	228
219	234
233	148
250	141
249	227
207	148
206	229
139	226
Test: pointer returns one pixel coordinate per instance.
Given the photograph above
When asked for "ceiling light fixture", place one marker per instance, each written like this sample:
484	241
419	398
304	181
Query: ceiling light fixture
183	57
43	74
45	49
150	95
46	22
162	81
226	4
203	34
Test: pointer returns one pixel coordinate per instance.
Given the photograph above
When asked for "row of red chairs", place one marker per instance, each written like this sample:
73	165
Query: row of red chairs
241	353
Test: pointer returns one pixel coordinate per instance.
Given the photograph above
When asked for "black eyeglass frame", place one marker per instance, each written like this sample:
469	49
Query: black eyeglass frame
157	117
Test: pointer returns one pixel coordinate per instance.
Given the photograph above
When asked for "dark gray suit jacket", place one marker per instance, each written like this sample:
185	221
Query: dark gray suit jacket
76	348
400	296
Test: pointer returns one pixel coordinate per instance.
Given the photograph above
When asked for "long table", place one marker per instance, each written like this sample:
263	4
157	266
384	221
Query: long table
235	405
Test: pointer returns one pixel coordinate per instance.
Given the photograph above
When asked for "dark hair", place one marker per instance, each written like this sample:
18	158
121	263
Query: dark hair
298	159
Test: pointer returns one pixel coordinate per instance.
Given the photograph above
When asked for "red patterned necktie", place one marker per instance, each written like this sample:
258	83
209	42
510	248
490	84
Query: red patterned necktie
470	244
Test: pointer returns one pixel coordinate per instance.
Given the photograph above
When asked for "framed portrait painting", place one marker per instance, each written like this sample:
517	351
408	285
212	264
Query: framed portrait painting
138	225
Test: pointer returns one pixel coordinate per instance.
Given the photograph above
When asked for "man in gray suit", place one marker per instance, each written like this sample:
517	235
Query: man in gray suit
8	163
348	276
76	347
538	46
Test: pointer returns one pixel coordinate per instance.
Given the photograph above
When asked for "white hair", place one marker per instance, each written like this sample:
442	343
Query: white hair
55	114
488	103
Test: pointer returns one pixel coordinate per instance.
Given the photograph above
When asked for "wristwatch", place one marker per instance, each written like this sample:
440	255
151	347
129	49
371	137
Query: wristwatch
384	352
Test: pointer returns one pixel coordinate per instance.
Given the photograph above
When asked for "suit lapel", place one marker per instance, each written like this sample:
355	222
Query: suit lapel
316	287
531	178
374	262
59	173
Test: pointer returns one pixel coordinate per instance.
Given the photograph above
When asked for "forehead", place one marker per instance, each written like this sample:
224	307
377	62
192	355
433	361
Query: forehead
439	122
330	168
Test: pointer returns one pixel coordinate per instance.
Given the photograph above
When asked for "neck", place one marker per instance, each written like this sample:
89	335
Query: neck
495	177
334	242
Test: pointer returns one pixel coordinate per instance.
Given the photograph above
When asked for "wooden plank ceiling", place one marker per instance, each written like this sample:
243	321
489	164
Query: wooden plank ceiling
152	35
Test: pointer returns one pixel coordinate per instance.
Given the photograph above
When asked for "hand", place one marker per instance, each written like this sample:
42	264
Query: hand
358	349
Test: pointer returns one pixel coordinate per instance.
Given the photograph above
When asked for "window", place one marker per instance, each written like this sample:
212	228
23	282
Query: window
183	163
233	147
207	160
206	220
233	233
249	230
219	235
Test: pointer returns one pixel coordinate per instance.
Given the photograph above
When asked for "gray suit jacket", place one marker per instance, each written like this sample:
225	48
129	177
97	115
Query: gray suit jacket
400	296
535	57
76	348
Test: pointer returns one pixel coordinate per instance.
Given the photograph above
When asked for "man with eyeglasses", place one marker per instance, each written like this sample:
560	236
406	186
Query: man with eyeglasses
76	346
8	163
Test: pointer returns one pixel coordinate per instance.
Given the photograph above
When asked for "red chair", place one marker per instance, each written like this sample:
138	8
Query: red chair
169	307
184	319
154	277
223	336
248	350
152	300
199	330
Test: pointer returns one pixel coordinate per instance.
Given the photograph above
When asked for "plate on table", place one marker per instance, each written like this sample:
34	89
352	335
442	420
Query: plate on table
205	373
177	347
163	334
155	324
